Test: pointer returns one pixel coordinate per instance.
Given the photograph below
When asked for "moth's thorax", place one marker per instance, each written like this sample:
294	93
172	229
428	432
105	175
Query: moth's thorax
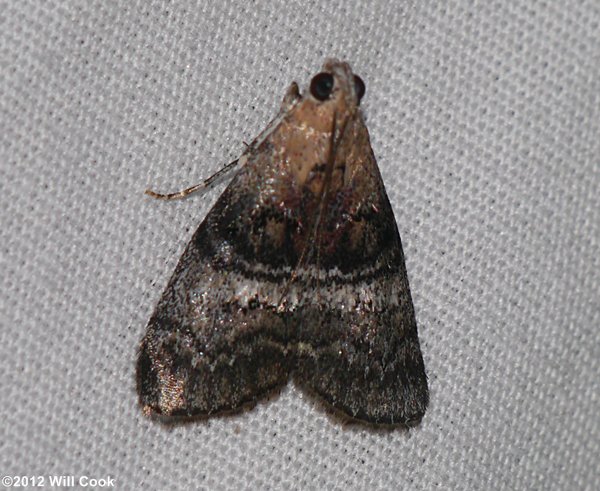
315	135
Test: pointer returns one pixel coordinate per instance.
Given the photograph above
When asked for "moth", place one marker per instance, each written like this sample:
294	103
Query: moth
296	272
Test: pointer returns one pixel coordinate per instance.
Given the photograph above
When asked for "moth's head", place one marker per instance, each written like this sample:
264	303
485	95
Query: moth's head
333	93
336	85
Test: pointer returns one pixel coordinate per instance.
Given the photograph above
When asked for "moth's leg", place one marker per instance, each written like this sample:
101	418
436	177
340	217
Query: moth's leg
206	184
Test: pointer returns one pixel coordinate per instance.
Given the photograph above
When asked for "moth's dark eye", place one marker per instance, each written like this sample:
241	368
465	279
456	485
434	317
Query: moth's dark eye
359	87
321	86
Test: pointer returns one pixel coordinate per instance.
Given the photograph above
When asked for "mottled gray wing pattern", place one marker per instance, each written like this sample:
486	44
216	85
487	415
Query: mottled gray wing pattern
215	340
357	336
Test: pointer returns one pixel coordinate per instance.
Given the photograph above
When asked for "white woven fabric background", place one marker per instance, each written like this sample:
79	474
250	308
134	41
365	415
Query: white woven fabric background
485	119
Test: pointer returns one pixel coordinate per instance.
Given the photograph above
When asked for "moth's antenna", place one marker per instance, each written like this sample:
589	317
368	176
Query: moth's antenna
206	184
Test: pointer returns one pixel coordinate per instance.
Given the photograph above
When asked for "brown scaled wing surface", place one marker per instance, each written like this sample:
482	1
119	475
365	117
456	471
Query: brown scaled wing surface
298	269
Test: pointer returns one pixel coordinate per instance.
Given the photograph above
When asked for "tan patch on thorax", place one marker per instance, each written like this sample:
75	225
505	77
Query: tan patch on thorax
304	142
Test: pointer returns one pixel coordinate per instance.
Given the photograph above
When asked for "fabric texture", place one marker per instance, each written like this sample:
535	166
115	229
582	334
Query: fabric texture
485	120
